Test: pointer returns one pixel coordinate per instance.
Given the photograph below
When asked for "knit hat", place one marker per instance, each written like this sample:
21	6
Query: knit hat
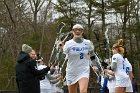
26	48
77	26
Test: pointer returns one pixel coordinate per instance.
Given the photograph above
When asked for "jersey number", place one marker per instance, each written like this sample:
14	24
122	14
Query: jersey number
127	70
81	55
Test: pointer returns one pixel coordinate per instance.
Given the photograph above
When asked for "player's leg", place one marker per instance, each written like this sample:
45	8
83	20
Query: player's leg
83	84
72	88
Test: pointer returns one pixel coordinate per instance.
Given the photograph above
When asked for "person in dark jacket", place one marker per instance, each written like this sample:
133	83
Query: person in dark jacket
27	73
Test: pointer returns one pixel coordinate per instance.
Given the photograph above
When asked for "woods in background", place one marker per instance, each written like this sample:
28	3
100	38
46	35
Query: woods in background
35	22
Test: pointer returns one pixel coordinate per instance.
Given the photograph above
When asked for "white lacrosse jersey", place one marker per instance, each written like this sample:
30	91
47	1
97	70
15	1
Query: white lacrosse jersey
128	68
78	60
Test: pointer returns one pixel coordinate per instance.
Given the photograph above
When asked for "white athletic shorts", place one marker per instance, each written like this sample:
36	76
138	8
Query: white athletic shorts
73	78
123	82
130	88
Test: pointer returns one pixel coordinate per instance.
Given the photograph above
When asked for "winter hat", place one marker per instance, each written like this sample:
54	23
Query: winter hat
26	48
77	26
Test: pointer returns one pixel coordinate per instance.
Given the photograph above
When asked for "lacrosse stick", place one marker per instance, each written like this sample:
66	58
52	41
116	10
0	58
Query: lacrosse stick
57	39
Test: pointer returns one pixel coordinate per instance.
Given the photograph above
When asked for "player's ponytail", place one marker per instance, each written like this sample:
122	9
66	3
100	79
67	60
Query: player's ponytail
121	42
119	45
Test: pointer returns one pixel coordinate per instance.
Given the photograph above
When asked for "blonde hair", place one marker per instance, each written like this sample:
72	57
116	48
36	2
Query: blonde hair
119	45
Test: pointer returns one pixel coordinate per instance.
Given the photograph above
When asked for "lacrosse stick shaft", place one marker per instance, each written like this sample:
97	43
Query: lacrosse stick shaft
98	61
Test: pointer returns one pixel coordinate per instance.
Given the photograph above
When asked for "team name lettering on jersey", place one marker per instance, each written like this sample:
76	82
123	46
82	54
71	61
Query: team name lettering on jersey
79	48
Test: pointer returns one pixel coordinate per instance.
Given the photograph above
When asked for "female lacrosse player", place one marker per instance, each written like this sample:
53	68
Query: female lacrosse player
127	67
122	79
78	68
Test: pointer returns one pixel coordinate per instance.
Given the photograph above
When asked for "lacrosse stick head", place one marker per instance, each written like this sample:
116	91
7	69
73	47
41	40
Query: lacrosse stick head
60	27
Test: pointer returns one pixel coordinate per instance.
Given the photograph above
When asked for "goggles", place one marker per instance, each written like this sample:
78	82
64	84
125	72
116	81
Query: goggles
79	29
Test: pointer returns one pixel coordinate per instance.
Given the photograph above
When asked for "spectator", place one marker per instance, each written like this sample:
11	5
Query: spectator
26	72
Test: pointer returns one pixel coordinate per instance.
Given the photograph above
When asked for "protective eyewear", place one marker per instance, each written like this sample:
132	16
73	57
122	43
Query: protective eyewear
77	29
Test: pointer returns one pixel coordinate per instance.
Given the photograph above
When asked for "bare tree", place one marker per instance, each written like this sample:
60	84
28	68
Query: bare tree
35	7
43	29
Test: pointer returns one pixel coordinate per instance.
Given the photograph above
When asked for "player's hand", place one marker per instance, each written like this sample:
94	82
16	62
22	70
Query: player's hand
106	70
51	65
95	69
